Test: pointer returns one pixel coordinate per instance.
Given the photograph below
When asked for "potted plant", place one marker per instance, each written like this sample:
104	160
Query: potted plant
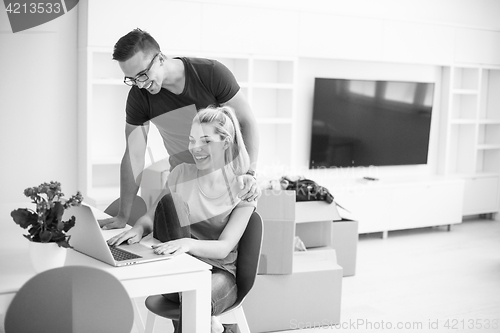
45	224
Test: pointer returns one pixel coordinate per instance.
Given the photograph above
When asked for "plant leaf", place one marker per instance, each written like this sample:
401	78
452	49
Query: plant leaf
24	217
57	236
35	229
69	224
45	236
64	243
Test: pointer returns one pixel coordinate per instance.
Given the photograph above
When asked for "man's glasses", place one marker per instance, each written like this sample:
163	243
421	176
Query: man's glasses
142	77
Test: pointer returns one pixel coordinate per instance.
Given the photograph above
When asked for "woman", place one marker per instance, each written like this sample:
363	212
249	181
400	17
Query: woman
210	217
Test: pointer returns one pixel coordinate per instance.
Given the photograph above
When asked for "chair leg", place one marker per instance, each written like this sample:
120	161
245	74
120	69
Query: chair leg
139	323
239	317
150	322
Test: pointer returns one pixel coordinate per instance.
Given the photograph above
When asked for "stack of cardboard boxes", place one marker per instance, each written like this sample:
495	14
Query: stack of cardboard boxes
300	289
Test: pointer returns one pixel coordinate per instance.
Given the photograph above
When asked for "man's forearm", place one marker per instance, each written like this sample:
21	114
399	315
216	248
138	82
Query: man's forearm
129	186
251	138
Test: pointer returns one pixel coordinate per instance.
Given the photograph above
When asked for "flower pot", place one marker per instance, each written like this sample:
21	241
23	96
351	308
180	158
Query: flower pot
45	256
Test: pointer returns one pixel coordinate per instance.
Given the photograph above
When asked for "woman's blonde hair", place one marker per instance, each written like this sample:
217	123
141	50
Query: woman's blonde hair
227	126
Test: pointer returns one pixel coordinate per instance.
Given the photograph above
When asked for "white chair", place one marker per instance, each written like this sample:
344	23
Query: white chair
247	264
76	299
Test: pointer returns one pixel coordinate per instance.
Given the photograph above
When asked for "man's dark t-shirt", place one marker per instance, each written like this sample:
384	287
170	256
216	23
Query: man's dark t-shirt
208	82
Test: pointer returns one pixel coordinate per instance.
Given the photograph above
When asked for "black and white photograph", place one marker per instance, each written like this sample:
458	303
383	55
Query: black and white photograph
250	166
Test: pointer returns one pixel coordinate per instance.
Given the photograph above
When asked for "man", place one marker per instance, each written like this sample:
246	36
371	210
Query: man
168	92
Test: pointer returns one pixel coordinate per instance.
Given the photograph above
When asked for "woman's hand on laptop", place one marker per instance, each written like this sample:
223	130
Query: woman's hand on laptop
173	247
142	227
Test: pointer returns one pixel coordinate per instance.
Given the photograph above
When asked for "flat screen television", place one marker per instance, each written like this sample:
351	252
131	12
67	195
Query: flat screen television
370	123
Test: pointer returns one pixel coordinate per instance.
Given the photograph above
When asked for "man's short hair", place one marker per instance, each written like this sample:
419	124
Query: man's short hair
133	42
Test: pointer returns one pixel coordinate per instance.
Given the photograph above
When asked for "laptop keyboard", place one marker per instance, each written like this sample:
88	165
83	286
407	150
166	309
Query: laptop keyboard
121	255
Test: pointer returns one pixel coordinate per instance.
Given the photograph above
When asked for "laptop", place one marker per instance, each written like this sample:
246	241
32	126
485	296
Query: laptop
88	238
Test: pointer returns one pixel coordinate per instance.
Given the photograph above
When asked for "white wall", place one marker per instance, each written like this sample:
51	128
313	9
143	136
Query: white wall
38	103
482	14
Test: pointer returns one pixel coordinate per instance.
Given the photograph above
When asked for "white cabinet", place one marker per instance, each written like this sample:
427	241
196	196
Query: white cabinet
426	204
481	195
369	206
472	134
403	204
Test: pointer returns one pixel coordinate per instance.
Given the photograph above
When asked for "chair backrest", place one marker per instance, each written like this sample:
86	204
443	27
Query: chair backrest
138	209
247	264
70	299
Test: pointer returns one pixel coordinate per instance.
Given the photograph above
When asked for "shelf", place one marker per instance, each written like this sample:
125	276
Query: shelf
488	147
463	121
473	136
238	66
464	106
271	71
490	100
489	135
488	160
465	92
465	78
271	103
488	121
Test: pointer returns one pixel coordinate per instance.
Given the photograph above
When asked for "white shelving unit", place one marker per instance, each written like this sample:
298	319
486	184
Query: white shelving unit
268	83
472	148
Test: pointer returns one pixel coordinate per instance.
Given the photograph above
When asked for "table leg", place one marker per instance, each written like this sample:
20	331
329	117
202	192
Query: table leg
196	305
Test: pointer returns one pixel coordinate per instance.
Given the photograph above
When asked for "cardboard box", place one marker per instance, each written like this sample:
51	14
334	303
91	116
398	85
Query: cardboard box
313	222
316	211
314	234
277	209
344	239
311	295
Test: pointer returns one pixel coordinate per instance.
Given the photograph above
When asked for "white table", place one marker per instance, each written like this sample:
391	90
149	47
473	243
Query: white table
182	273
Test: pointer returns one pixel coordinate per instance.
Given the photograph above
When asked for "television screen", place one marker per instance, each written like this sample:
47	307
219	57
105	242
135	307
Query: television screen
365	123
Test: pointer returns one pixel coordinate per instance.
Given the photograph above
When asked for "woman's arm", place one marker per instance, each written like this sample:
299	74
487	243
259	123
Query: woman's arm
213	249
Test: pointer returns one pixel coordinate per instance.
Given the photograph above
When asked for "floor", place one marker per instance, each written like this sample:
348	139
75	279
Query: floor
423	280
